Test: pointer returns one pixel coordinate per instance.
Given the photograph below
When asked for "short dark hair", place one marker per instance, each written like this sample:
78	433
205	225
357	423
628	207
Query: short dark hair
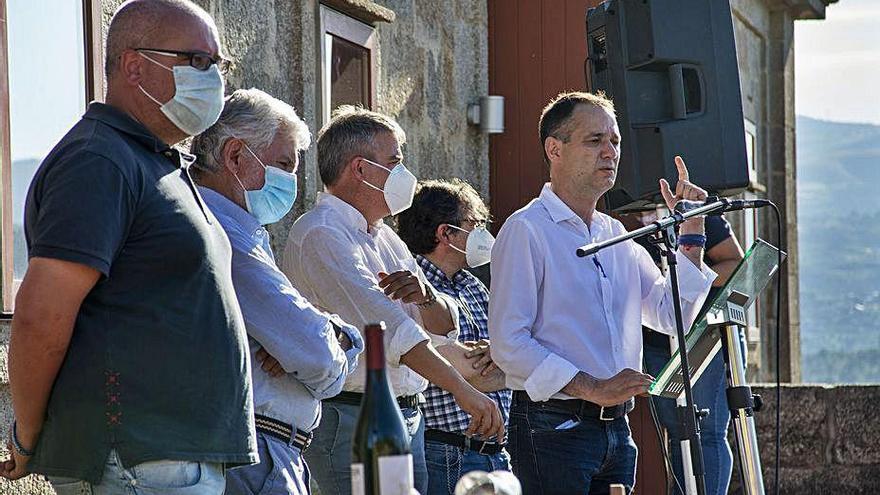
435	203
351	132
556	115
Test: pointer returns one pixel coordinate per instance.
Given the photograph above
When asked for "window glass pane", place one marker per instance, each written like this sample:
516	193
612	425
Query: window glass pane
47	89
751	145
349	74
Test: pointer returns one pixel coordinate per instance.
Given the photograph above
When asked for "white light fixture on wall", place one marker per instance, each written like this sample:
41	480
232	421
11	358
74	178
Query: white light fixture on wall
488	113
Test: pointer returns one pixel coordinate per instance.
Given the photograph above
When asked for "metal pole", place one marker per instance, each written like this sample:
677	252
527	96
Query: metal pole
690	420
739	398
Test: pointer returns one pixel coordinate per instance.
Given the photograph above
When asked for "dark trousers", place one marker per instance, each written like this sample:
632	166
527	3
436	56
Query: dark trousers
554	452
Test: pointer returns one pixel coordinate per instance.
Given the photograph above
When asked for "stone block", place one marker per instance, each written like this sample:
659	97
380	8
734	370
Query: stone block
857	430
29	485
804	430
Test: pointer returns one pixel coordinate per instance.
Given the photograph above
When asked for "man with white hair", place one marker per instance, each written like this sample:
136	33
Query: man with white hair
128	364
246	169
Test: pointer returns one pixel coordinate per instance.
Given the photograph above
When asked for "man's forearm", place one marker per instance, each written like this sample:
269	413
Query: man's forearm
437	317
41	331
693	253
455	354
581	386
36	351
427	362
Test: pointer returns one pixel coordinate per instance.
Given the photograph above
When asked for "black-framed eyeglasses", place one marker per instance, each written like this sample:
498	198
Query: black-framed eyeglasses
199	60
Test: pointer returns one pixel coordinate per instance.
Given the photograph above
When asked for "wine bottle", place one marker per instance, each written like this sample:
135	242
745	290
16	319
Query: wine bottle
381	459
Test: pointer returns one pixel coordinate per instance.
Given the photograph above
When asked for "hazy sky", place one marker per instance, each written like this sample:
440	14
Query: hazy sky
837	63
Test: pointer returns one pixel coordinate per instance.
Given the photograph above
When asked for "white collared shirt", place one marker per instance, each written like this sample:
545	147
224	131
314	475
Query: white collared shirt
334	259
553	314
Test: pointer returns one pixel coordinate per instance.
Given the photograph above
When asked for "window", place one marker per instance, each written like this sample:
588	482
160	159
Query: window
348	62
47	81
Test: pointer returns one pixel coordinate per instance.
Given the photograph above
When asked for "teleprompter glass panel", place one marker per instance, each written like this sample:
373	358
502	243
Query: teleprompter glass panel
750	277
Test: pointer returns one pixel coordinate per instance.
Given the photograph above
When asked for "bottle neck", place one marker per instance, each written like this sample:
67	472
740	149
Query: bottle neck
375	348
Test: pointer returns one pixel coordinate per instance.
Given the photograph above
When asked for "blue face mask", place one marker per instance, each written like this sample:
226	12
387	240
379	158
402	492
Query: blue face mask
275	199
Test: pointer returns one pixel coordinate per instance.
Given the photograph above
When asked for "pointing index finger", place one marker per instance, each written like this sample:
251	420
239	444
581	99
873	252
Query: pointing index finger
682	169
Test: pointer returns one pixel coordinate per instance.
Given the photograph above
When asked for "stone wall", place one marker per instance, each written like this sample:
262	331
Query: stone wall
830	437
433	63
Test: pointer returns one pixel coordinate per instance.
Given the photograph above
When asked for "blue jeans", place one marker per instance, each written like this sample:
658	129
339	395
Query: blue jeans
709	393
584	458
329	456
446	465
148	478
281	471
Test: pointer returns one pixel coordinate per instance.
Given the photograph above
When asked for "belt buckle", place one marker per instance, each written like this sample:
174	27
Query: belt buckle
602	414
484	446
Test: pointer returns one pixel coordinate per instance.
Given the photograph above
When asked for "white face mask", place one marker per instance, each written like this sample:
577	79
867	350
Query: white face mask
400	187
198	97
478	250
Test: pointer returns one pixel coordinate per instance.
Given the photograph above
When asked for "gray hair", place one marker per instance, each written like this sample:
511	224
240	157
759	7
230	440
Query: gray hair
137	22
351	132
254	117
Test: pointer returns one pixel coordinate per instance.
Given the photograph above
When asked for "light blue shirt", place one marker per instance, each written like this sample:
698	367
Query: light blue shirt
279	319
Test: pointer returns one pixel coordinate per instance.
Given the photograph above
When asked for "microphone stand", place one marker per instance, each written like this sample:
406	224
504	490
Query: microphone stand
666	228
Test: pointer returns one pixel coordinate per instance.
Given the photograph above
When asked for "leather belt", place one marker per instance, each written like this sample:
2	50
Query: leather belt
355	398
464	442
283	431
580	408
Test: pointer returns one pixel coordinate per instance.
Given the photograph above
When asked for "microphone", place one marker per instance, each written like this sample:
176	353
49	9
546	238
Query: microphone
685	205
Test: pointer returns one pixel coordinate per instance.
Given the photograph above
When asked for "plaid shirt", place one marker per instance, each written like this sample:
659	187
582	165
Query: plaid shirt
441	411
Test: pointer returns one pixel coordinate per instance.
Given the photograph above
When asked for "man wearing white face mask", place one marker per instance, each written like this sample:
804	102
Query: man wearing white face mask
247	172
128	360
446	229
344	259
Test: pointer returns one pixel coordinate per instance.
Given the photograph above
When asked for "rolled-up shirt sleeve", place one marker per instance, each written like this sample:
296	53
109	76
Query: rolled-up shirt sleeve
357	343
287	326
658	311
335	269
517	271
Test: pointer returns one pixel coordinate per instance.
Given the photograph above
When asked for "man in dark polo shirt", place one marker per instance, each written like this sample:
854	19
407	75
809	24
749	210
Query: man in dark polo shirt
128	358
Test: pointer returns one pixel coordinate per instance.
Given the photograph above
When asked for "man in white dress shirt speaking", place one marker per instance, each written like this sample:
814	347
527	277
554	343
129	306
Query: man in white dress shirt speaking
567	330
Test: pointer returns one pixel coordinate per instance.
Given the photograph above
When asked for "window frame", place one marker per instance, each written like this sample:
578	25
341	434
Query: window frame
335	23
94	78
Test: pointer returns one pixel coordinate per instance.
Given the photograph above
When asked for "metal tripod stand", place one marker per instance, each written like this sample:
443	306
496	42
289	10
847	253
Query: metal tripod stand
740	400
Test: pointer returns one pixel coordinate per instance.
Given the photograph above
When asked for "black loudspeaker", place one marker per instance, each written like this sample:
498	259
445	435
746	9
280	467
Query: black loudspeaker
670	67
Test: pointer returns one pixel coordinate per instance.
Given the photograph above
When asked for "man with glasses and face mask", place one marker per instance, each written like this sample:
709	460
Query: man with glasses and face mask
345	260
128	362
445	229
246	168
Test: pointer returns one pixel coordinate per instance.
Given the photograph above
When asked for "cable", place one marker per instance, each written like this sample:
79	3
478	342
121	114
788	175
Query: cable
670	469
778	346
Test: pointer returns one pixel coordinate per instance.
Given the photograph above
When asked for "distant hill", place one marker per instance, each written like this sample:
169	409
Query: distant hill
838	167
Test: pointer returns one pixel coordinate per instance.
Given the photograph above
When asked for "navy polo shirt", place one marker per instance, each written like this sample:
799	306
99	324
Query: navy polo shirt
157	366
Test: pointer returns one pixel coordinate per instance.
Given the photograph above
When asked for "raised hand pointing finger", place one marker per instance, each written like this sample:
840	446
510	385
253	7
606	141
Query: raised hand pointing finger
682	169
